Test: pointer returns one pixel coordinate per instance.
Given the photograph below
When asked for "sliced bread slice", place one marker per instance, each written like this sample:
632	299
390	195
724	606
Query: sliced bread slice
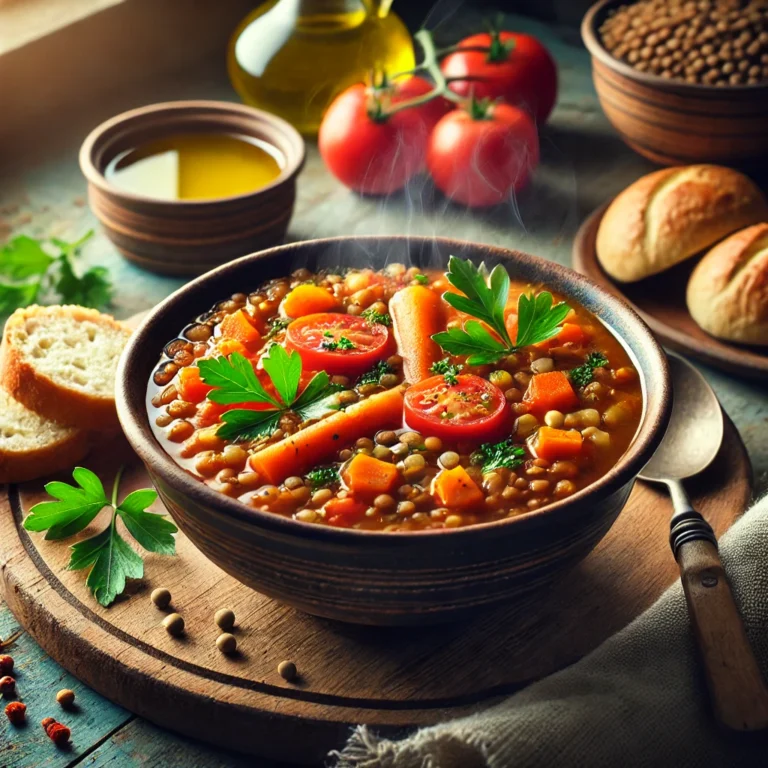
32	446
60	362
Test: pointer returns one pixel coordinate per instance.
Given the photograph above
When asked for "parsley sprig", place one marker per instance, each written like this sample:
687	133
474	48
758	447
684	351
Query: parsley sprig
377	318
332	344
32	273
373	376
449	370
110	558
235	381
584	374
322	477
498	455
485	298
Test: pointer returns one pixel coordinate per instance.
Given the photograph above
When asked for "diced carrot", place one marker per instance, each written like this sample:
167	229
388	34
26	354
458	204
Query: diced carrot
238	326
191	386
417	314
550	391
555	444
367	477
455	488
298	453
227	346
344	512
308	300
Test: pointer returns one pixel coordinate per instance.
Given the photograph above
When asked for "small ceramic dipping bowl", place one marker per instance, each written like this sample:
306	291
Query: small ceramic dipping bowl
180	237
673	122
377	577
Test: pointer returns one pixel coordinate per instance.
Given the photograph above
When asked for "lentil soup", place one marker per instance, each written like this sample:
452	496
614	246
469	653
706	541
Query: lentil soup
396	400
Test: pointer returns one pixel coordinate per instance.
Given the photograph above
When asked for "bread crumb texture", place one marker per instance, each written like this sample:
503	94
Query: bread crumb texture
22	430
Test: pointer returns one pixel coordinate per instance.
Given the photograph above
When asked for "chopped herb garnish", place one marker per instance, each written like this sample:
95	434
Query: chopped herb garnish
423	279
322	477
582	375
341	343
498	455
374	375
449	370
110	558
235	381
377	318
486	299
277	325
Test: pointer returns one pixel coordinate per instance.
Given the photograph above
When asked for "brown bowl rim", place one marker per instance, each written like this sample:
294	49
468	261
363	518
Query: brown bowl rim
94	176
591	40
135	420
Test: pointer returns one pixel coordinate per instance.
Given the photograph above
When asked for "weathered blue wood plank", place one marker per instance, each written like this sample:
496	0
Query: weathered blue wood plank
38	679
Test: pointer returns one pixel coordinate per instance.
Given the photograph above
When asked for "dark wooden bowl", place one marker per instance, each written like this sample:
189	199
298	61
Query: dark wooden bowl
376	577
182	237
673	122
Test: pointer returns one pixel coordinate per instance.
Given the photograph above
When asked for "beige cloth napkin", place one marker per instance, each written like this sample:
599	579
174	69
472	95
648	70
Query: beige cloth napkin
637	700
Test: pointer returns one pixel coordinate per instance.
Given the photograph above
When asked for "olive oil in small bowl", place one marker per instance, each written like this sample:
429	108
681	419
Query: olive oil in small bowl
182	187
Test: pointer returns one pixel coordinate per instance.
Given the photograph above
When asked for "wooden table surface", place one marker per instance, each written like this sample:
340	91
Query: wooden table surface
584	162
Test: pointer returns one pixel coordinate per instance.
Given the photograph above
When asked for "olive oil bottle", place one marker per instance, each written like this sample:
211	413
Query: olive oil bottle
293	57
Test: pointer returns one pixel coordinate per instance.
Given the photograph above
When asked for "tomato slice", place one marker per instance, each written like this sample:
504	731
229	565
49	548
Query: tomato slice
473	409
340	344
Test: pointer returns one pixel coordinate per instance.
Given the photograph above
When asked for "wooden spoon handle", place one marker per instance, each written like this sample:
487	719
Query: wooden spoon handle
739	693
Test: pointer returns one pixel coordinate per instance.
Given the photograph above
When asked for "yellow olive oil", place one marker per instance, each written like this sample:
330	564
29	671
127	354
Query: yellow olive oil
196	166
293	57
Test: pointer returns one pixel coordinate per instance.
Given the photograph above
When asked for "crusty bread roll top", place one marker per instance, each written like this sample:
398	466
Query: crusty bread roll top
672	214
728	290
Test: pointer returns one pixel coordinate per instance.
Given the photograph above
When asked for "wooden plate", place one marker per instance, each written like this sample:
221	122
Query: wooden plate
660	301
387	678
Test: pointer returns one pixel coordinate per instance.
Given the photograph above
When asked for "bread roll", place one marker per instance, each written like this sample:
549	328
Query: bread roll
672	214
728	290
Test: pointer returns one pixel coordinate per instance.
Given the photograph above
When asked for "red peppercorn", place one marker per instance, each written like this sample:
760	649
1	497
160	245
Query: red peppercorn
59	734
7	685
16	712
6	665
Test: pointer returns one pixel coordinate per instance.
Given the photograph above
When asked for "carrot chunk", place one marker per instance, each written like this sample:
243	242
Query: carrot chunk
570	333
227	346
550	391
367	477
455	488
417	314
191	386
555	444
298	453
308	300
238	327
344	512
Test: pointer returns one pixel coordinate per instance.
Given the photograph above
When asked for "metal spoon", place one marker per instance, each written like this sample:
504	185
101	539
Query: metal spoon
692	440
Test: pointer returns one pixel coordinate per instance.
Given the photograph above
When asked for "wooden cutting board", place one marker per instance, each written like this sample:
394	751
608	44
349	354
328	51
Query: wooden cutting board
386	677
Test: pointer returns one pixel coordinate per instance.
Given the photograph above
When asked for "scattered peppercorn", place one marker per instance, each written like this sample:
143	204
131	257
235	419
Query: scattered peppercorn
226	643
161	598
6	665
7	685
287	670
174	624
225	619
59	734
16	712
709	42
65	697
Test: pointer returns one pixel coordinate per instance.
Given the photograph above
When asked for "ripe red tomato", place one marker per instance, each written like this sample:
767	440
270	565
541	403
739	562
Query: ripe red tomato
525	76
473	410
479	161
378	157
340	344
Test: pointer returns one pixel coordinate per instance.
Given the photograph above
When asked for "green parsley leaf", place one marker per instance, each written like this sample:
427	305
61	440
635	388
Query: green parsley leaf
15	296
423	279
377	318
341	343
110	558
537	319
449	370
284	369
318	397
92	289
24	257
374	375
277	325
498	455
475	341
584	374
243	424
235	381
322	477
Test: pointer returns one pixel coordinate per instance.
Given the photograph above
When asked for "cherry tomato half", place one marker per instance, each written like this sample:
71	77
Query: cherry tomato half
378	157
473	410
339	344
525	75
479	161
